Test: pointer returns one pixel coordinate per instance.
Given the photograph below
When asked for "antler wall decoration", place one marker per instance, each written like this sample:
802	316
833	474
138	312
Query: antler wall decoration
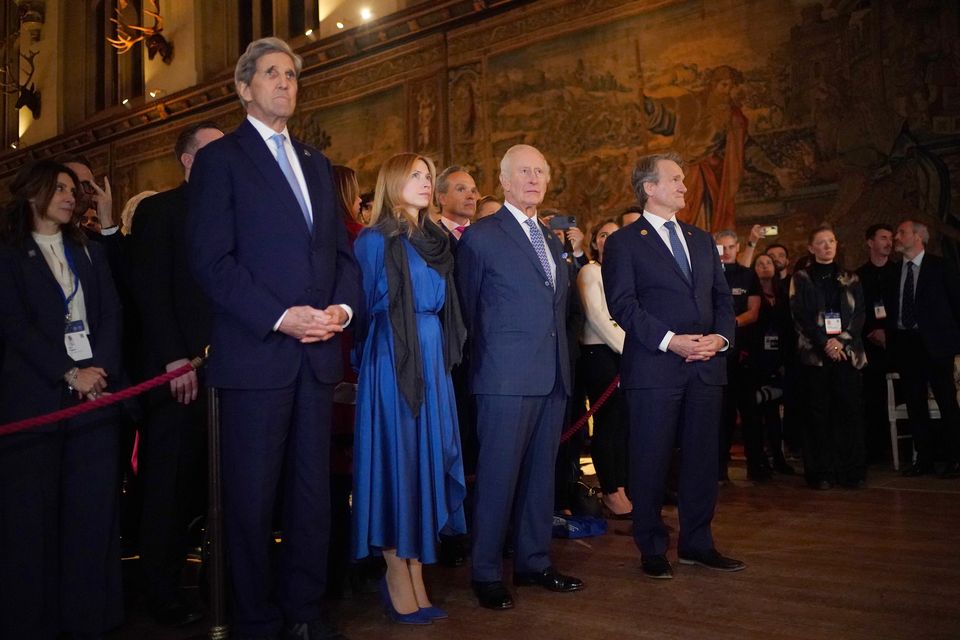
129	34
28	96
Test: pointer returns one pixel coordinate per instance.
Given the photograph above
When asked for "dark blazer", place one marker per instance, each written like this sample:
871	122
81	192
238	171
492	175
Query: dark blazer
31	317
937	298
254	257
807	306
176	314
515	319
648	295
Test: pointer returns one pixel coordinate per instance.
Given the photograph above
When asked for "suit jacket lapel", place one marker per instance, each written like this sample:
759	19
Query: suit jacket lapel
555	248
38	264
512	228
88	279
653	239
256	149
697	265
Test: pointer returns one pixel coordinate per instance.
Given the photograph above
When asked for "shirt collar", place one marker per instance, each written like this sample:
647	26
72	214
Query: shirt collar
656	221
916	260
451	225
519	215
266	132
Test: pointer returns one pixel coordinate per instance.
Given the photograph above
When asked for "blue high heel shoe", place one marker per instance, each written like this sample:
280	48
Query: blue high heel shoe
433	613
415	617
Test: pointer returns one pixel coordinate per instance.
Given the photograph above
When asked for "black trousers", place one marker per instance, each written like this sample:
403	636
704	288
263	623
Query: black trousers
833	446
876	425
173	471
59	530
935	440
599	365
740	396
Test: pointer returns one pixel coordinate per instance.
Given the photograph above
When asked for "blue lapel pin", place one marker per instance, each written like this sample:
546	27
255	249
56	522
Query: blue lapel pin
306	152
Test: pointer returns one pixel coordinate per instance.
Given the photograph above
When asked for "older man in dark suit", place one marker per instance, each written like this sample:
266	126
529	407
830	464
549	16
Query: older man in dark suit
175	317
926	315
665	287
271	252
514	300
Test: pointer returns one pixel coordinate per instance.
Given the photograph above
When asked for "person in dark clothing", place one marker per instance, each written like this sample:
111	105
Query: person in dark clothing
740	394
772	331
826	302
878	277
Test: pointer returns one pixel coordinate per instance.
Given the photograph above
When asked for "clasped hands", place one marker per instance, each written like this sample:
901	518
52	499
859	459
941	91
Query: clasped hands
696	347
834	350
309	325
89	383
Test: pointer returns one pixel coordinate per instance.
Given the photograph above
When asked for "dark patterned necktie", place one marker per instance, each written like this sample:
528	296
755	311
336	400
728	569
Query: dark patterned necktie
536	239
677	247
908	313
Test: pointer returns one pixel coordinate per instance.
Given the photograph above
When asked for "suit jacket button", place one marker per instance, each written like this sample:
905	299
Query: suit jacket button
553	334
546	283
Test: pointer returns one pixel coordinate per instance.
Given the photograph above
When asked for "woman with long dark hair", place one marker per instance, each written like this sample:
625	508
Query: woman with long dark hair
408	468
826	301
61	324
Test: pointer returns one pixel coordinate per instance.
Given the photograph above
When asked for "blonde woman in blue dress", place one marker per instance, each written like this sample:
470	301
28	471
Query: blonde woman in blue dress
408	469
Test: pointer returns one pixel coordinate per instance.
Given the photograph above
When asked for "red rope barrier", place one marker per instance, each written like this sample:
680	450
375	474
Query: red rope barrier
594	407
102	401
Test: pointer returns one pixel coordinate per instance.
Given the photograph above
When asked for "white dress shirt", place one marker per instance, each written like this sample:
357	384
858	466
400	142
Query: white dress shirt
53	252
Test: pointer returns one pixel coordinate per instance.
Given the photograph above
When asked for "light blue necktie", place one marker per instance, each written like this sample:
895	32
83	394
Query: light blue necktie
287	170
536	239
677	247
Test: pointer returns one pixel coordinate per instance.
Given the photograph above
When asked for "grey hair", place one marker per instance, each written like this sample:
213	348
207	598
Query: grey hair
247	63
647	171
443	180
726	233
506	162
921	230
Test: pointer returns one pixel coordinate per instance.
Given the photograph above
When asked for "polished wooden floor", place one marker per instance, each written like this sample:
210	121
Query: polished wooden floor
883	562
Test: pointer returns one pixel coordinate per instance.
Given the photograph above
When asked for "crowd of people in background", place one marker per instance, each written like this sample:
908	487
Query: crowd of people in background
396	368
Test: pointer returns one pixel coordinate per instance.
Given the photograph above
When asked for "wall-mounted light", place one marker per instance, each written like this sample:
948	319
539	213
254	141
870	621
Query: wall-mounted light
310	35
157	93
340	25
366	14
126	102
14	145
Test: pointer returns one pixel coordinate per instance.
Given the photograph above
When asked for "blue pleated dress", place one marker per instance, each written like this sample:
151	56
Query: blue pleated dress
408	481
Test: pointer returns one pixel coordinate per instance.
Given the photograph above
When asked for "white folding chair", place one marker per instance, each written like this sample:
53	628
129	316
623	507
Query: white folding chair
899	412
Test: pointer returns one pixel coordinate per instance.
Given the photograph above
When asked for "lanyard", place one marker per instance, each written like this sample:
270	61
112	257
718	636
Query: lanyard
76	283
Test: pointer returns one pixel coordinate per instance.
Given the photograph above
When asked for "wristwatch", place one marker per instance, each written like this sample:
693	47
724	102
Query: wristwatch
71	377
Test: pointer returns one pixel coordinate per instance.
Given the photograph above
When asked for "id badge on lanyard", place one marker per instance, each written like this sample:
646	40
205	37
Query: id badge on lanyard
879	311
832	323
76	338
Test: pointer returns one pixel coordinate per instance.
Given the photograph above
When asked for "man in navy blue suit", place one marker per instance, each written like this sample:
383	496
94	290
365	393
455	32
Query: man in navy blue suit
514	300
665	287
271	252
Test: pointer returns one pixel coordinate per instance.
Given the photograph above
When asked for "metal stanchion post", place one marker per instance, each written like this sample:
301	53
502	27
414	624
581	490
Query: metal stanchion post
218	610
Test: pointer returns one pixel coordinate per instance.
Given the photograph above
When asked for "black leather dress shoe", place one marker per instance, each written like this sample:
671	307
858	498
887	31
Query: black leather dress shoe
918	469
712	559
656	567
492	595
548	579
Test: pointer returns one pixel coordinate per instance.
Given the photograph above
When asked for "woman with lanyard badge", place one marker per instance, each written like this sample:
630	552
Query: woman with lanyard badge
826	302
61	325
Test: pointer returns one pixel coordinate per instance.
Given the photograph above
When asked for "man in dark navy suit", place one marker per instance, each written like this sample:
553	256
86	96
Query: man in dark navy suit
514	300
271	252
926	314
665	287
175	316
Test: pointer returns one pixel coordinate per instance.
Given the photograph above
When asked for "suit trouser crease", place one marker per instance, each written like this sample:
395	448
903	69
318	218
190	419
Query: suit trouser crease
660	419
518	437
276	447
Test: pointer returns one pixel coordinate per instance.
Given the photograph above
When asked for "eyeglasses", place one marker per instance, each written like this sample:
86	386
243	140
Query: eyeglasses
87	187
